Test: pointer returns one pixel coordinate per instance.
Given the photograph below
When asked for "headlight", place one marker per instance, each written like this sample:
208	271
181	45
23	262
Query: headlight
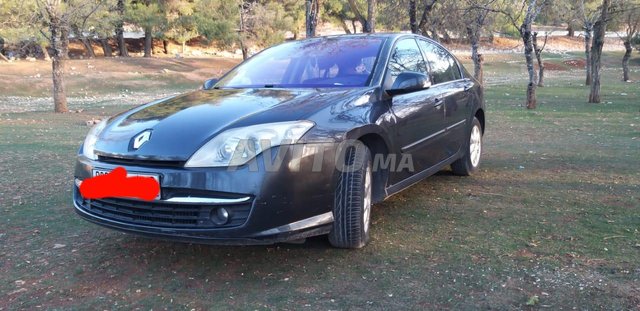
239	145
92	138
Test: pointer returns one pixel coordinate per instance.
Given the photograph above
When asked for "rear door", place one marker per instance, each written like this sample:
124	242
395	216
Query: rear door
448	81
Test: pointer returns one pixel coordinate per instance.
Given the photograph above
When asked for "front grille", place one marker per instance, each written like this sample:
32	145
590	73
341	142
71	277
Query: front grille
163	214
139	162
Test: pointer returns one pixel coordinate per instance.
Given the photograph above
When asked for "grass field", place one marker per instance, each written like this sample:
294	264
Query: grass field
551	221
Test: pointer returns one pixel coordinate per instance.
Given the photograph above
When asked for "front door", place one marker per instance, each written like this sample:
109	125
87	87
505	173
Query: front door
419	116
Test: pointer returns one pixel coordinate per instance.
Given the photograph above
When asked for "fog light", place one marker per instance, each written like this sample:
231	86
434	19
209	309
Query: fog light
220	216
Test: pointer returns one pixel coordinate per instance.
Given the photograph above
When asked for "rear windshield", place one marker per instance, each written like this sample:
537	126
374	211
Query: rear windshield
325	62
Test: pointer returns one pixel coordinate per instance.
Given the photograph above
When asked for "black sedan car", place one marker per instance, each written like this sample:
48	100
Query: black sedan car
300	140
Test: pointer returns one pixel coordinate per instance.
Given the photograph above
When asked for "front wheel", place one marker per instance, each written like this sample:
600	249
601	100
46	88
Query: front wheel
352	203
471	159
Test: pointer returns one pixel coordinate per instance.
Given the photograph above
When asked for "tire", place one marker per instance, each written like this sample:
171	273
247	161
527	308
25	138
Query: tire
466	165
352	202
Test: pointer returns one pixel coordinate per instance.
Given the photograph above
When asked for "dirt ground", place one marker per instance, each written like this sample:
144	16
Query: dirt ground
27	84
550	221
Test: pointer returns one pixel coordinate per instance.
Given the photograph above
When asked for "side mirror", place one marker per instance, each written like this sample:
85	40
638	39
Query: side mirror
209	84
408	82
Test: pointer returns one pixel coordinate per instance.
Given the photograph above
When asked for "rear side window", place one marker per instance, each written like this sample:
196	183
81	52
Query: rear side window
443	66
406	56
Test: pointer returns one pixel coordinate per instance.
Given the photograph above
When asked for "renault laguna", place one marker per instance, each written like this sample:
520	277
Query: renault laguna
299	140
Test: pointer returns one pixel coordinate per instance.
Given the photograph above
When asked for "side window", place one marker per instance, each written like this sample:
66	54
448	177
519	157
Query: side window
406	56
443	67
457	75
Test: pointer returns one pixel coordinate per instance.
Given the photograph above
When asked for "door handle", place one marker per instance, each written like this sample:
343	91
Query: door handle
438	102
468	87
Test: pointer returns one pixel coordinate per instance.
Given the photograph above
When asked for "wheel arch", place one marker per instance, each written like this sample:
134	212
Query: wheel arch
378	148
480	116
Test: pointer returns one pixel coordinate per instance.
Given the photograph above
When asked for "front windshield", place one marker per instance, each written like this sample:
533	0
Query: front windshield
322	62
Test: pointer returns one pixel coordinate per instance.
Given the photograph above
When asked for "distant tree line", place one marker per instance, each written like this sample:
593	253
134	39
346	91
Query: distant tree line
44	27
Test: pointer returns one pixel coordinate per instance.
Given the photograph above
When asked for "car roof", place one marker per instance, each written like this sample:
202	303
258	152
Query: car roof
391	35
381	35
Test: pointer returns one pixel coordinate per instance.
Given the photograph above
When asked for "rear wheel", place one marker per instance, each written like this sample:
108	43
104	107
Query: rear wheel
352	202
471	159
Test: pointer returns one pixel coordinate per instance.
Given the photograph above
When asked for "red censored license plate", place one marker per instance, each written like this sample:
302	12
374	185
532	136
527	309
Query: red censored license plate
98	172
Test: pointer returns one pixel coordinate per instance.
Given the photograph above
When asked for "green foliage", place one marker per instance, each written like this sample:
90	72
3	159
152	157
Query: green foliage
217	21
509	30
295	10
19	22
533	300
183	29
267	24
104	21
508	24
337	11
147	16
181	22
222	32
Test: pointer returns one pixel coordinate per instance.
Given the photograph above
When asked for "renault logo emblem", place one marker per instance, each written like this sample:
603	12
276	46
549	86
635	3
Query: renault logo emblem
141	138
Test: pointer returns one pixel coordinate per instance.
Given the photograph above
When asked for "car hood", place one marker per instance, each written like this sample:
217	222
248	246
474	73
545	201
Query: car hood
180	125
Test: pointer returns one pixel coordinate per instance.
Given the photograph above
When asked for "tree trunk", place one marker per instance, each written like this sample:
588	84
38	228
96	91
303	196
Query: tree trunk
64	42
425	16
434	33
594	93
446	37
85	42
475	56
528	55
540	71
355	27
244	49
625	61
57	65
363	21
165	46
538	51
311	17
184	47
106	48
570	31
148	42
413	23
599	29
87	46
45	52
122	46
345	27
59	95
587	52
371	15
4	58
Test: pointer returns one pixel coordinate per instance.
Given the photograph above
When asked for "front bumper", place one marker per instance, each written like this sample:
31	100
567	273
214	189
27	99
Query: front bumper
266	203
